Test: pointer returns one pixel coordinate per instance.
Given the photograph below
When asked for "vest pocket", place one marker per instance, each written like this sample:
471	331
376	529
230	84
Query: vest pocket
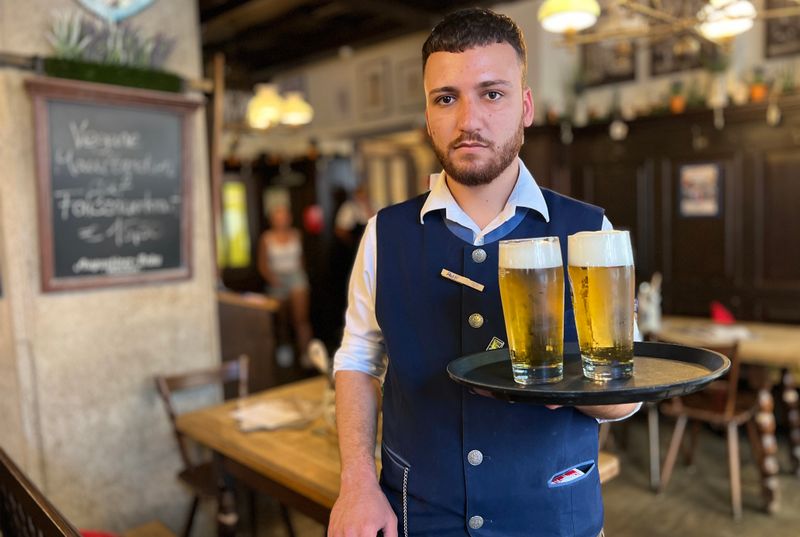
395	472
571	475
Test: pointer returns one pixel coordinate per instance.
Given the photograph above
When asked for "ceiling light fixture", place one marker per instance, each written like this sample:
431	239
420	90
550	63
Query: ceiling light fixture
721	20
267	108
568	16
717	22
296	111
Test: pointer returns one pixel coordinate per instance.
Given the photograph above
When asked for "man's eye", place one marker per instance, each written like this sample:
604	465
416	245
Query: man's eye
445	99
494	95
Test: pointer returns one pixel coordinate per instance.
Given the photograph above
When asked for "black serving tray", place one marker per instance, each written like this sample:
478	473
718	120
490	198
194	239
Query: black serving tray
660	371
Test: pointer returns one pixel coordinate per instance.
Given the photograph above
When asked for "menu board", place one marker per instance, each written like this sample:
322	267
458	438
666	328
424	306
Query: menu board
113	189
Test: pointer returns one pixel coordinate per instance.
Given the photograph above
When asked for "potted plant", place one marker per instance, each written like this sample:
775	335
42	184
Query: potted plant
677	101
758	87
109	53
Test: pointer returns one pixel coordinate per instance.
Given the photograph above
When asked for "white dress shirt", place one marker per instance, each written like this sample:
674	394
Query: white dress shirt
362	346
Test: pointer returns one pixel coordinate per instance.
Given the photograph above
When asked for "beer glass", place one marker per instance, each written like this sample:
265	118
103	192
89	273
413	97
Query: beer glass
531	277
602	279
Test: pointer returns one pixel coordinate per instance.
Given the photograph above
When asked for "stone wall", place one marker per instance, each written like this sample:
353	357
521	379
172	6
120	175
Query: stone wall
77	400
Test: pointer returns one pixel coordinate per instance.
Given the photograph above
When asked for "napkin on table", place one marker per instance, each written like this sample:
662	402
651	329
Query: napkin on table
275	414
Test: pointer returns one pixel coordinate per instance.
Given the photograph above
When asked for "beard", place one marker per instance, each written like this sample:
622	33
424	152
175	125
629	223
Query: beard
475	173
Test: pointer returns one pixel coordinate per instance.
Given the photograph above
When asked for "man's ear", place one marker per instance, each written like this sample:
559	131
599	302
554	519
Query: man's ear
527	106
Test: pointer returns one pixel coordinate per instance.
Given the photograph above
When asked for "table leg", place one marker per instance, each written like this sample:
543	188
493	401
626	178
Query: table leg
655	452
227	516
765	421
790	398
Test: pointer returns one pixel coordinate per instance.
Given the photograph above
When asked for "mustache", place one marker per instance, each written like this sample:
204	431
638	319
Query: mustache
470	138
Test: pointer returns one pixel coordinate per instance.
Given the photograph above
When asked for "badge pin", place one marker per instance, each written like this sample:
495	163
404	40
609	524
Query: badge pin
496	343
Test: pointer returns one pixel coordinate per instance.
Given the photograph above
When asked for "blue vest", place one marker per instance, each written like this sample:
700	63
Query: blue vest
456	463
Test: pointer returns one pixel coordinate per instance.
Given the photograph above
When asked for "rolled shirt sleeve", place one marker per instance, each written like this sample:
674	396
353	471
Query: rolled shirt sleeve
362	346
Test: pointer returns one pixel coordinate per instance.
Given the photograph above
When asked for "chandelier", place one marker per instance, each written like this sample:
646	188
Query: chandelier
268	108
719	21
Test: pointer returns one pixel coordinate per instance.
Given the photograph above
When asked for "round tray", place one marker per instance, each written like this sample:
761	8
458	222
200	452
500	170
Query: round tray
660	371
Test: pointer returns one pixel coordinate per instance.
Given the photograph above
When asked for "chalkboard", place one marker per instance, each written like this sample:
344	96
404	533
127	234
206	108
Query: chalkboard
113	184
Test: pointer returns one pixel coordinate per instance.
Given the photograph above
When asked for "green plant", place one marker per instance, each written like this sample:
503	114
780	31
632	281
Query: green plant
787	81
676	88
76	38
758	75
68	35
695	96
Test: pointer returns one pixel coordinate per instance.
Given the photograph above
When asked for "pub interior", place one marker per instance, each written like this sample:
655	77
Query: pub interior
185	187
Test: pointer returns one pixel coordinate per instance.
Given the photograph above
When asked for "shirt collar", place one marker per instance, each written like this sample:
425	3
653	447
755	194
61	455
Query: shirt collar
526	193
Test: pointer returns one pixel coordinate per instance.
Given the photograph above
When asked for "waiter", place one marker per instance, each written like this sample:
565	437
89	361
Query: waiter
455	463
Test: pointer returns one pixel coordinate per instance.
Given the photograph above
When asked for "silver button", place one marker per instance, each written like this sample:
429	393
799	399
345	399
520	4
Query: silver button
476	522
475	457
476	320
479	255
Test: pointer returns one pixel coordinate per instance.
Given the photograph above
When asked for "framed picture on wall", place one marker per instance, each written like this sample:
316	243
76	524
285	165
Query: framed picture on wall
700	188
410	91
609	62
679	53
373	85
782	33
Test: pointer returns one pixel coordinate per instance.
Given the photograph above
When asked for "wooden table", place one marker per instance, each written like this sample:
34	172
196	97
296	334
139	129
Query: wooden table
772	346
299	467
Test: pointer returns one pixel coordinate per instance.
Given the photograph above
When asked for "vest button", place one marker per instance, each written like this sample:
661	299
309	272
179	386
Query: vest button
475	457
476	522
476	320
479	255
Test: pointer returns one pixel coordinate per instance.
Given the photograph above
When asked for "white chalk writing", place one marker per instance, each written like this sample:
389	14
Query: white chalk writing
118	264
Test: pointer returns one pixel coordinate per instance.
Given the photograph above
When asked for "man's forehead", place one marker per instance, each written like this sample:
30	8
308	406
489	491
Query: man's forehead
483	61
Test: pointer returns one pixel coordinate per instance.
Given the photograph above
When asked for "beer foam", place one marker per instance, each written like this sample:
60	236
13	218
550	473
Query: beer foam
530	253
600	249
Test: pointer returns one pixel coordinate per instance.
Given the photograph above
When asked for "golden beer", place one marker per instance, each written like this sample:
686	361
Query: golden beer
531	278
601	275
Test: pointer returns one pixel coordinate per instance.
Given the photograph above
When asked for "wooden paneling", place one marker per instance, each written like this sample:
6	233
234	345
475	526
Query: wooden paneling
747	255
701	249
777	260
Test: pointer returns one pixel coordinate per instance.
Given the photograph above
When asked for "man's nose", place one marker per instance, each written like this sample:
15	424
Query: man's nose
468	115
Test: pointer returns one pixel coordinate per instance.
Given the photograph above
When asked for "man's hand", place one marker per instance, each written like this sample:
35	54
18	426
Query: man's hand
606	412
361	511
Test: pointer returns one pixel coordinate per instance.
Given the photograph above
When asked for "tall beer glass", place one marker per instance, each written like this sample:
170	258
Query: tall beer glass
531	278
602	278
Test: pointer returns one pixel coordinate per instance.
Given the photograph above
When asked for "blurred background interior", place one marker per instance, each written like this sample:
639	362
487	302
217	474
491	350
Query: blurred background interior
280	127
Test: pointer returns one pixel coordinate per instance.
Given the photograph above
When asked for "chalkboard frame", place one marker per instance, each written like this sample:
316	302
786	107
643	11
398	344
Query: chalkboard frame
45	89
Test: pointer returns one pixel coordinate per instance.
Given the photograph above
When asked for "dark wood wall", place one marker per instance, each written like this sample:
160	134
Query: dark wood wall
748	256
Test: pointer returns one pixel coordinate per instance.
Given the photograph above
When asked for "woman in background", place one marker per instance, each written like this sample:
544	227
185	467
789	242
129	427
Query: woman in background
280	262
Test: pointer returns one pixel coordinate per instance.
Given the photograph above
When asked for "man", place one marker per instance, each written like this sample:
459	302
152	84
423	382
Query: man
455	463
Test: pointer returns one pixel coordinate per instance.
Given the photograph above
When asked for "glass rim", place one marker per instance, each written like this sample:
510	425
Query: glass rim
601	232
529	239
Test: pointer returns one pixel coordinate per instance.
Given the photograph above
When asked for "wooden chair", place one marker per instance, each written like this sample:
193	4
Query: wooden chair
721	404
201	477
24	511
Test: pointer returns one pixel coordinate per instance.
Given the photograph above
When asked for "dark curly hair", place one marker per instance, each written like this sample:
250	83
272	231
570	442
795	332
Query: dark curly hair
475	27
